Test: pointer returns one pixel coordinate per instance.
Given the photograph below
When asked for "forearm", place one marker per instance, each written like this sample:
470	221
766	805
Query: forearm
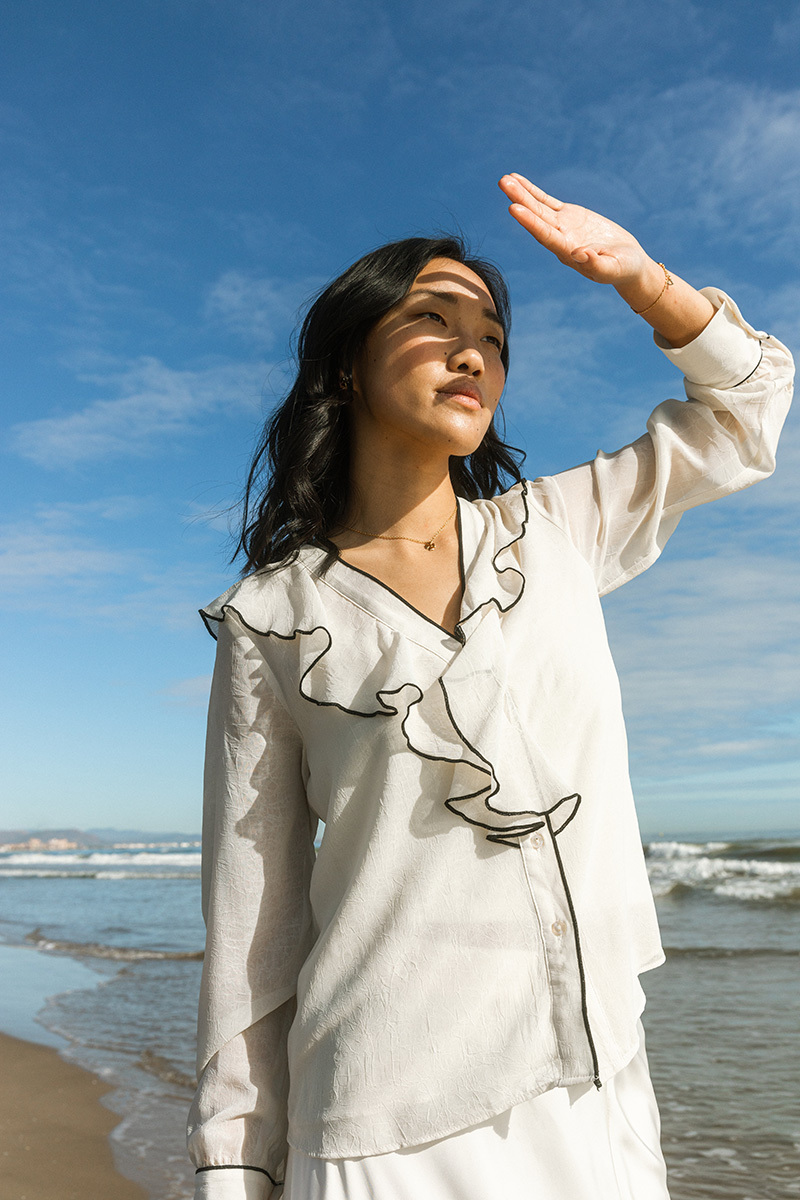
679	313
238	1120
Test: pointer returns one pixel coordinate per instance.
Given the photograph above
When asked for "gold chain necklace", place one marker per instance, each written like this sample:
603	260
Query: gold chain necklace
430	544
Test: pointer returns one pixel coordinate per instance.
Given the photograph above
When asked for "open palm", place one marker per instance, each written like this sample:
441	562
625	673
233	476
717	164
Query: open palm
590	243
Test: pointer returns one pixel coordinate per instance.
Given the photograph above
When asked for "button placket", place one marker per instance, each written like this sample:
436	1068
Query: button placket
558	944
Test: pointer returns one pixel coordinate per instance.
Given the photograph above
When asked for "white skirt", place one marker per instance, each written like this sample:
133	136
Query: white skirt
574	1143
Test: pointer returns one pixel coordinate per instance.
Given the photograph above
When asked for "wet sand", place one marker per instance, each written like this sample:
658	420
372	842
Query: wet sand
54	1130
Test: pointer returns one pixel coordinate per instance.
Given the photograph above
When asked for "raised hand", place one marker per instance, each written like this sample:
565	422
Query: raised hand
584	240
607	253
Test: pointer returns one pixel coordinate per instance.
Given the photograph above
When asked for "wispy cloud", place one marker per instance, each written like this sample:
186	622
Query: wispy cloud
708	651
164	597
64	562
628	27
554	355
59	514
260	310
150	404
747	747
786	29
38	553
55	243
738	149
187	693
221	518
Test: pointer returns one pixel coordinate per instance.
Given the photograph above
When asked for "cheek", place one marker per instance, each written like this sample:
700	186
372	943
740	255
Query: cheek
369	371
498	386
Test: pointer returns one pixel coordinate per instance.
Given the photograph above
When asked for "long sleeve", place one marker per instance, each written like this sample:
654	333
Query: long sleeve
620	509
257	858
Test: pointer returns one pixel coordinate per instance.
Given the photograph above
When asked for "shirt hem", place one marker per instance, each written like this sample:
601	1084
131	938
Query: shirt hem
318	1145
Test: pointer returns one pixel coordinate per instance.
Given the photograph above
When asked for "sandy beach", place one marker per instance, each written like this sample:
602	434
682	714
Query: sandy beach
55	1130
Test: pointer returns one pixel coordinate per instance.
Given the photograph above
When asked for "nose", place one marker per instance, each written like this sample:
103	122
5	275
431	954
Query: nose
467	360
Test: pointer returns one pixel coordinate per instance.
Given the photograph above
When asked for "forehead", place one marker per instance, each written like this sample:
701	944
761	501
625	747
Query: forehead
447	275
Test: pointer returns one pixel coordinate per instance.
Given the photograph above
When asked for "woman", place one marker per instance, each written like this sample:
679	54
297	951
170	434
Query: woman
444	1003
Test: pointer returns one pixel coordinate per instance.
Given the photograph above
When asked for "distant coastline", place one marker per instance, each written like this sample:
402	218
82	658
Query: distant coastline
39	840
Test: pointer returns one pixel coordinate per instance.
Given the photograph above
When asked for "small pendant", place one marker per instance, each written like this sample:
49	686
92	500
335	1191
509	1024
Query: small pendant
429	545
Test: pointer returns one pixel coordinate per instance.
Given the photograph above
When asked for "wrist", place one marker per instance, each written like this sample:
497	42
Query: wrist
640	291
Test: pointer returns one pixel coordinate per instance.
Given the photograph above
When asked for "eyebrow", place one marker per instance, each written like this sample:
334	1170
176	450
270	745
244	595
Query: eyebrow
452	298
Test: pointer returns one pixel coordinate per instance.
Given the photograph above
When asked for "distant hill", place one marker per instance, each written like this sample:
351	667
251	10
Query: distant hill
88	838
91	839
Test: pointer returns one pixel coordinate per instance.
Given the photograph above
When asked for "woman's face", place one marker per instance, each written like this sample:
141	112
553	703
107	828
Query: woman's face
430	374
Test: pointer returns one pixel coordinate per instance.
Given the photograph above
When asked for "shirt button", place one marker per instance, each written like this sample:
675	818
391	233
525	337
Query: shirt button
537	841
559	927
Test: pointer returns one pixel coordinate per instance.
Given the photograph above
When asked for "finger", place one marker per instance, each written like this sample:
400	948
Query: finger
595	262
522	196
545	233
538	192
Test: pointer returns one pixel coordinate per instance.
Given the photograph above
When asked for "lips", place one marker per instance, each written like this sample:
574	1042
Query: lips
458	388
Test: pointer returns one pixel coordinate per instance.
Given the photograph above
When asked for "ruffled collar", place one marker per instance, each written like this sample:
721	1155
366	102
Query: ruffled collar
467	719
489	535
490	574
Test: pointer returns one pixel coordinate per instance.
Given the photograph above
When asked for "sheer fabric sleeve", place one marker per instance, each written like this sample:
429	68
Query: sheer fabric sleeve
257	857
620	509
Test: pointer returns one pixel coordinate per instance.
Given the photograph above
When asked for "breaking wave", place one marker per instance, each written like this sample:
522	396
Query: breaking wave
751	870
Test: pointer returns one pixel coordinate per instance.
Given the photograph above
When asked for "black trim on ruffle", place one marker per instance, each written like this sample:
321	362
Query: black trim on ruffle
502	570
502	834
457	635
458	632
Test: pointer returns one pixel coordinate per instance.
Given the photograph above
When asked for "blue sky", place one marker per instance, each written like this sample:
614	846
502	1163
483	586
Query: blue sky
178	176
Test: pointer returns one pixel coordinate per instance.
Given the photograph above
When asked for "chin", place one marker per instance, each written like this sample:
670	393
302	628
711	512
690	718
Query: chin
462	447
466	435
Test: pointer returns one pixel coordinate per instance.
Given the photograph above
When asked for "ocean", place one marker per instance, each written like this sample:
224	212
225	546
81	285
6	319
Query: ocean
103	947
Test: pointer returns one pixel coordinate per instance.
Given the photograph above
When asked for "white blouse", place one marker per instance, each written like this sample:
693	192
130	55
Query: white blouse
471	931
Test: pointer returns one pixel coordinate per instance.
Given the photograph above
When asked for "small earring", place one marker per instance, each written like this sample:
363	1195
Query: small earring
345	381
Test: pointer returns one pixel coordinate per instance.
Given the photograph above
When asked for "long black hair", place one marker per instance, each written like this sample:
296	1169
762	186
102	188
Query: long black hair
297	486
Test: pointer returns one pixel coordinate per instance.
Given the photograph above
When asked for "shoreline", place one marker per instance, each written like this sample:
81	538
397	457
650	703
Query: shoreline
137	1118
56	1130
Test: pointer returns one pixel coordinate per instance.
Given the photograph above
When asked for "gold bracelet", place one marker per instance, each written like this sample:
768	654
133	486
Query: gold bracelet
668	282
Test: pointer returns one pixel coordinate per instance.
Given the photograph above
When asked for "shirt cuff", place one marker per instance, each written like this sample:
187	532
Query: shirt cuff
235	1183
724	354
